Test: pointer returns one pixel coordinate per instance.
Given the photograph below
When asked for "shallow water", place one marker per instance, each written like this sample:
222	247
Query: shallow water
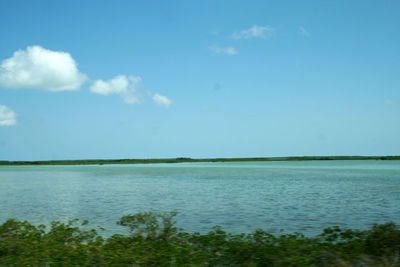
304	196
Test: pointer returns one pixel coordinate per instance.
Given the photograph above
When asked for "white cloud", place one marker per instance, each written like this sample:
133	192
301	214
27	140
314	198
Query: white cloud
254	32
40	68
124	86
161	100
219	50
7	116
303	32
129	88
43	69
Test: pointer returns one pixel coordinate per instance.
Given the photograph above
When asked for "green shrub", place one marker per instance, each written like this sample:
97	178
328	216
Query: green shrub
155	241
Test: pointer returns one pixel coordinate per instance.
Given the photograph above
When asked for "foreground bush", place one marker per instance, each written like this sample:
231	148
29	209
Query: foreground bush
155	241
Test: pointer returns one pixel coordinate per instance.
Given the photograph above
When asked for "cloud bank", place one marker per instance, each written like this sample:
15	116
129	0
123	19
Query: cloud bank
227	50
7	116
254	32
40	68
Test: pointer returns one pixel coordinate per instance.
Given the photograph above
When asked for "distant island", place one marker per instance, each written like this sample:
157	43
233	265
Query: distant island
191	160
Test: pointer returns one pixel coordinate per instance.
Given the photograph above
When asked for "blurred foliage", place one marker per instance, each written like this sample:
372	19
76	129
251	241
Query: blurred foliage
155	241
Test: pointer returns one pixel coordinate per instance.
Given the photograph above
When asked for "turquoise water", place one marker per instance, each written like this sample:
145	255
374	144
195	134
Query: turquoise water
302	196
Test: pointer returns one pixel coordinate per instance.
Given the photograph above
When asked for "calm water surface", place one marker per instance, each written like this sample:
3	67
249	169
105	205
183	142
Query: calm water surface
241	197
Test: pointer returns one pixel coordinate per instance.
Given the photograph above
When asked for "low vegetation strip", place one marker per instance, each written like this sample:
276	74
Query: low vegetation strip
183	160
155	241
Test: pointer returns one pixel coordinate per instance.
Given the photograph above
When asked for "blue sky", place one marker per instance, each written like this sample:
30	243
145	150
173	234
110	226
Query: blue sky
156	79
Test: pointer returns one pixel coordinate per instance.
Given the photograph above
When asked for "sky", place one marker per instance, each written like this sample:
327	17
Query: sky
164	79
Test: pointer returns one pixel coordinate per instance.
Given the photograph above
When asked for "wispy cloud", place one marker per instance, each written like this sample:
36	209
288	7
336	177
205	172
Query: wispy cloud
7	116
223	50
40	68
161	100
255	32
303	32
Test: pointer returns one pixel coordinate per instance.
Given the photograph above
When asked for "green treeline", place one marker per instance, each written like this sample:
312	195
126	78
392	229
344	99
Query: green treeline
155	241
183	159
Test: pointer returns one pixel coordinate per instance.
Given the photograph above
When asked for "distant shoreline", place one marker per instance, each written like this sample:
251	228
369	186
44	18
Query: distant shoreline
191	160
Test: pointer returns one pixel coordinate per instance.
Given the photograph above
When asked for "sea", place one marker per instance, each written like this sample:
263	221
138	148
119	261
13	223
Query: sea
240	197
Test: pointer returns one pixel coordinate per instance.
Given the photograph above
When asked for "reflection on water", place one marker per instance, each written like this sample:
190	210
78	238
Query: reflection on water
241	197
